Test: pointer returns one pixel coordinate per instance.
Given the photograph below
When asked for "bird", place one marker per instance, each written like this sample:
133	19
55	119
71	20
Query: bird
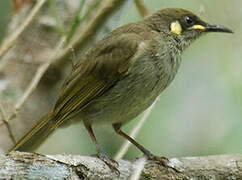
121	75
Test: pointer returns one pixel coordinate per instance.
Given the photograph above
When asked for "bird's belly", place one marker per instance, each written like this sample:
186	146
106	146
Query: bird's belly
119	108
128	98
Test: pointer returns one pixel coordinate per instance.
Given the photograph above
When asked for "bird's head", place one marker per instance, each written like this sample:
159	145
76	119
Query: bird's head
182	25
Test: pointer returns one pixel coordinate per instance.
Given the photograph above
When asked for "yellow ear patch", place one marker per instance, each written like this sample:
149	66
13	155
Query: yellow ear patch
198	27
176	28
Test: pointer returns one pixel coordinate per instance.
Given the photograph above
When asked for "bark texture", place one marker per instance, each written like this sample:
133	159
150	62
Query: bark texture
22	165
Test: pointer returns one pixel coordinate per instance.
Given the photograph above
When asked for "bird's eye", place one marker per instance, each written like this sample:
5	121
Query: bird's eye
189	20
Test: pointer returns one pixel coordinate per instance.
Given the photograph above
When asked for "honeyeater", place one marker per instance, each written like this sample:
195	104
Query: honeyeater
121	75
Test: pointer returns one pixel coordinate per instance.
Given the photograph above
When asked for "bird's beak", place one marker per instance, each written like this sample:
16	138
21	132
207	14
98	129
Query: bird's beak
217	28
212	28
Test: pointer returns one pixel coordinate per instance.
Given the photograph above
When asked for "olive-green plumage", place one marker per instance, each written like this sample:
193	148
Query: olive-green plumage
121	75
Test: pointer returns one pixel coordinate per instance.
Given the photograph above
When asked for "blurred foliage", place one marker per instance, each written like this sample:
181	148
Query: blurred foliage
200	113
4	14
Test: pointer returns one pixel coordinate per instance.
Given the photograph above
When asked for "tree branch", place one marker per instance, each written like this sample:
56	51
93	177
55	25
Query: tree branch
8	43
141	8
91	27
5	121
34	166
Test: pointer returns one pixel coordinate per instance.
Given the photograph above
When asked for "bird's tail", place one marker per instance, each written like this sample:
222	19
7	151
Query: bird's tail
36	135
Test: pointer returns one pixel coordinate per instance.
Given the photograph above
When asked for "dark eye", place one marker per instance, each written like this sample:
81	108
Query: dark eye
189	20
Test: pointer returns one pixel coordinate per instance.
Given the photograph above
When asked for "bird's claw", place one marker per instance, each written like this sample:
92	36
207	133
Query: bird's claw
162	160
111	163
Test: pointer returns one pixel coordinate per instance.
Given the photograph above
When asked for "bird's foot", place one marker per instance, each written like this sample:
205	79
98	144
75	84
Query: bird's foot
111	163
162	160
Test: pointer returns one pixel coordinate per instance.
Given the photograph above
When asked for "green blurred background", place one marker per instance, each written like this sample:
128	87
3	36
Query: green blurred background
4	16
200	113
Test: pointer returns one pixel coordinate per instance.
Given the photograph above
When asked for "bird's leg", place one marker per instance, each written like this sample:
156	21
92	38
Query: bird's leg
100	154
163	160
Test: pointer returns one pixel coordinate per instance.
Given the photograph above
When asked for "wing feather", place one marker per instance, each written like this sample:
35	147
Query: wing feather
103	66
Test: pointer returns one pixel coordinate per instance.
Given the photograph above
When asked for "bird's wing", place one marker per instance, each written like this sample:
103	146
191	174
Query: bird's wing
103	66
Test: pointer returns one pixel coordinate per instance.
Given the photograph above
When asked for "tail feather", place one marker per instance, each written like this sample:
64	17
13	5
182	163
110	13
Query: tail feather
36	135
